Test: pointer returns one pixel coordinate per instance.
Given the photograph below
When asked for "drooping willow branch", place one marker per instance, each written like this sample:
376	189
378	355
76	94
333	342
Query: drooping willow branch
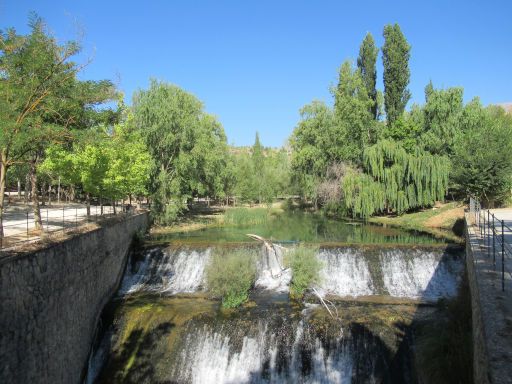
394	180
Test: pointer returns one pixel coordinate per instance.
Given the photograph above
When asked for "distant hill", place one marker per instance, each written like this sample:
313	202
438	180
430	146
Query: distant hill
506	106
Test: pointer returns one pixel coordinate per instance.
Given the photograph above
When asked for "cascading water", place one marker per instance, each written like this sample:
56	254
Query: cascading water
407	273
167	271
420	274
272	275
345	272
268	354
273	342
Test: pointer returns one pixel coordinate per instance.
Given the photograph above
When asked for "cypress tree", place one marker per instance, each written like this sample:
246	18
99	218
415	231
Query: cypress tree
366	62
395	58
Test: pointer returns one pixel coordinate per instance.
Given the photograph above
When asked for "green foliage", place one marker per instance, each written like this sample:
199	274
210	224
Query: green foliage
395	58
314	144
261	174
246	216
442	119
366	62
109	166
230	275
482	160
407	129
395	180
305	269
353	111
187	146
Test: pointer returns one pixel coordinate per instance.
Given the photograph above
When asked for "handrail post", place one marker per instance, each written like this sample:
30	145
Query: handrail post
493	242
503	255
488	234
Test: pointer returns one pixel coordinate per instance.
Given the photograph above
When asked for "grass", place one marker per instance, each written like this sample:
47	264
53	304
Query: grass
305	269
230	275
246	216
442	222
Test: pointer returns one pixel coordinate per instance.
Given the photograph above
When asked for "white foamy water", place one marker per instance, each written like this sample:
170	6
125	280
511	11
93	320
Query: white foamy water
168	271
271	273
345	272
419	274
211	357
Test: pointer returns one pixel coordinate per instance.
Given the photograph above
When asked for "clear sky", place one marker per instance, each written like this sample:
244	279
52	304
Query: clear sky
254	64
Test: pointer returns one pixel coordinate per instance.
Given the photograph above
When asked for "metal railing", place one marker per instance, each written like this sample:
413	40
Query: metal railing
493	232
19	227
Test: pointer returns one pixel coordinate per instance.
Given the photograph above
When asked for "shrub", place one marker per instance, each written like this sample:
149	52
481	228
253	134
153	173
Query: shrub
305	269
230	274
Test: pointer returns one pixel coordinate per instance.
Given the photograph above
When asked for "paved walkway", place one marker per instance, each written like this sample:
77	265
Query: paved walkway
495	304
19	223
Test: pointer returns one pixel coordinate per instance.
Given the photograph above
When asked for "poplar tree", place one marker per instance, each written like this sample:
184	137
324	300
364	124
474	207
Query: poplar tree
366	62
395	58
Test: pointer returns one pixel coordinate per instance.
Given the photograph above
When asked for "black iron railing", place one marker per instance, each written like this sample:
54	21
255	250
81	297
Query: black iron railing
496	237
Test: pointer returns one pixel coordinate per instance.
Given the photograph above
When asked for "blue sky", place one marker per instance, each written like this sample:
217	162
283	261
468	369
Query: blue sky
254	64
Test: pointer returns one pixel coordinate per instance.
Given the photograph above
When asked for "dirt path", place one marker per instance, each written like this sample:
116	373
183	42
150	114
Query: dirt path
445	219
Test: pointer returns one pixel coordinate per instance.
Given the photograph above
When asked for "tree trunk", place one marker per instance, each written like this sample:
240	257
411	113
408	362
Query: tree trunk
88	200
35	199
114	206
101	205
19	189
50	195
3	174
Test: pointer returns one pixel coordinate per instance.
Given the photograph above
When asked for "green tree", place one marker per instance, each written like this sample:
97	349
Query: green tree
180	139
395	58
315	143
482	154
40	99
443	112
395	181
352	108
366	62
35	73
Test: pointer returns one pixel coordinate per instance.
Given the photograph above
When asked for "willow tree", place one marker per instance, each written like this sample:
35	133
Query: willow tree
394	180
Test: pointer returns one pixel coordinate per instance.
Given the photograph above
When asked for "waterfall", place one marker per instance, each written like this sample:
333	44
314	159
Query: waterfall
420	274
408	273
167	271
345	272
265	356
271	274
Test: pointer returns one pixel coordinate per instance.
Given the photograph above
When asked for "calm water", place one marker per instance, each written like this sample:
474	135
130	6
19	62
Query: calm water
303	227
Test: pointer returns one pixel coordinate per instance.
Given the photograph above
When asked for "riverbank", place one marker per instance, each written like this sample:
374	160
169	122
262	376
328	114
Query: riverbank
445	221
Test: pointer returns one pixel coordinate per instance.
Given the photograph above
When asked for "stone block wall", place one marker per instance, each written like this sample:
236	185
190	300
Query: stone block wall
51	299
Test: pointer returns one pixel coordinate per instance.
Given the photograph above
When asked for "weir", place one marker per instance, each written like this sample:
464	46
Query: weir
423	274
178	336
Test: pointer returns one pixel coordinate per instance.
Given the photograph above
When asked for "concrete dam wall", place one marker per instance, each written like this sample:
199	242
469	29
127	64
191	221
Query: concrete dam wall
51	299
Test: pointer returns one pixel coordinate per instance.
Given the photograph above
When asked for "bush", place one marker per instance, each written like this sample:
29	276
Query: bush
305	269
231	274
246	216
